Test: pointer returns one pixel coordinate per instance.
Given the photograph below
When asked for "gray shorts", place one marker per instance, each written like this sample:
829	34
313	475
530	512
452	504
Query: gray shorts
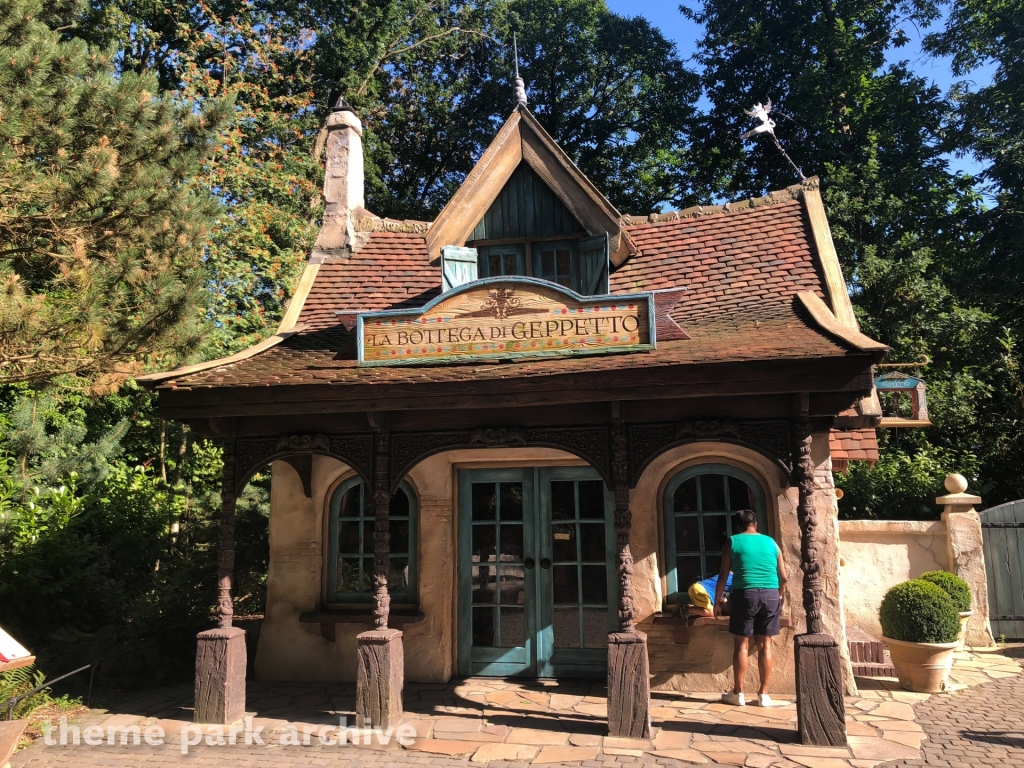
755	612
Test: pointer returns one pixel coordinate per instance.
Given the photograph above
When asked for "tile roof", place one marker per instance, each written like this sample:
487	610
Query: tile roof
852	445
741	267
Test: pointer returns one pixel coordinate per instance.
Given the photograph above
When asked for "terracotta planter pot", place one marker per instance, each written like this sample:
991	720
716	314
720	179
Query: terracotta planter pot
964	617
921	667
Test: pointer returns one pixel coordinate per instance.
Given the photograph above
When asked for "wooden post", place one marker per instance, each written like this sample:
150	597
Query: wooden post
381	663
821	712
629	680
220	653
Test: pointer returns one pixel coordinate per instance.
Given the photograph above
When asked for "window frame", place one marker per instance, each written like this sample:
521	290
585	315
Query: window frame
673	593
484	252
336	598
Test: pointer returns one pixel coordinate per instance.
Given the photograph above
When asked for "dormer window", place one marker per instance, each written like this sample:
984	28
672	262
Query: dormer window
528	231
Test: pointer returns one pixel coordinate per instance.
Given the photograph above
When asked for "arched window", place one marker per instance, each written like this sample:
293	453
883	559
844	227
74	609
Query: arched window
350	570
699	506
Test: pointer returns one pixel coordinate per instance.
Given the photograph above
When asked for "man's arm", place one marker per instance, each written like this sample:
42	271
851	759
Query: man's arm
783	578
723	576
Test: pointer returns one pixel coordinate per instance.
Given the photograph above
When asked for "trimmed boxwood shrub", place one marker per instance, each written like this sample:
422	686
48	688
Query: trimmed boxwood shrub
919	612
957	589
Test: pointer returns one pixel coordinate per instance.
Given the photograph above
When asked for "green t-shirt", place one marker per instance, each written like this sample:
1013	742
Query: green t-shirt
755	559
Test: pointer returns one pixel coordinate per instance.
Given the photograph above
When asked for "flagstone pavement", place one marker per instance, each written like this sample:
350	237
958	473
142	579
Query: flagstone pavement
511	724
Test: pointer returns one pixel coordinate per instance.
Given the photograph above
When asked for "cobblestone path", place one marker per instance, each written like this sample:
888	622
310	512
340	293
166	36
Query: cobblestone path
980	727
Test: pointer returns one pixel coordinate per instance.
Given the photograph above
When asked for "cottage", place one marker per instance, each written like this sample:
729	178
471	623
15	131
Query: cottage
506	441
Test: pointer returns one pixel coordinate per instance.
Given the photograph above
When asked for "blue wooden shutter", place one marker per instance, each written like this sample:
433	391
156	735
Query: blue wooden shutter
458	266
594	265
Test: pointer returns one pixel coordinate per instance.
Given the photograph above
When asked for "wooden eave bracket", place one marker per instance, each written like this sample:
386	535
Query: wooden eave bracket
151	379
825	320
523	139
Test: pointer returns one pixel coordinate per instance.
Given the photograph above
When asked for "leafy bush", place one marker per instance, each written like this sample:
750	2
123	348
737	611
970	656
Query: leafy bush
919	612
958	590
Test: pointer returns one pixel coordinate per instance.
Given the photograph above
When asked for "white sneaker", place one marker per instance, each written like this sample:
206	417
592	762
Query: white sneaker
736	699
764	700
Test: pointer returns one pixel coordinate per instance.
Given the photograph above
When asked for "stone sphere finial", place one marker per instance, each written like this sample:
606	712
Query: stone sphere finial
956	483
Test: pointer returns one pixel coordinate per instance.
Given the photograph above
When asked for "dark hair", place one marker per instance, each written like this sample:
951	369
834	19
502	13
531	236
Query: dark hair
744	519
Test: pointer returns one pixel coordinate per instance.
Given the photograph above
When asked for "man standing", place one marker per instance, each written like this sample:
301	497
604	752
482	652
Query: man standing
758	578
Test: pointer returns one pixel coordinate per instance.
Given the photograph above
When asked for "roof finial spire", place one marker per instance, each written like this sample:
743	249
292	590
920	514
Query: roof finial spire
520	88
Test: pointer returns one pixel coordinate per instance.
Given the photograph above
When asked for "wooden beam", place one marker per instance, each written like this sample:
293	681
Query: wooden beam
637	384
839	296
829	322
291	316
483	184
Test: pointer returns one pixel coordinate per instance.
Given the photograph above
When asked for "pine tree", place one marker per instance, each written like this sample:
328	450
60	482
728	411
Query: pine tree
101	223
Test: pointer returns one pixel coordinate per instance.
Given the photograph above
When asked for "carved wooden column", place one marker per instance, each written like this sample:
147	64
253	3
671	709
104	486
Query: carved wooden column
220	653
381	673
821	712
629	680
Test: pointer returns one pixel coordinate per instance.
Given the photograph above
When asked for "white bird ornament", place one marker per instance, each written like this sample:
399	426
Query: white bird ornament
761	113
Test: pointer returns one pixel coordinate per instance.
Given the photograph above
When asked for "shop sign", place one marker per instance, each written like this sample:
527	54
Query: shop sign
507	318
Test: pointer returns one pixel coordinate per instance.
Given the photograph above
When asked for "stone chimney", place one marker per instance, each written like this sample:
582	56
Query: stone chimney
343	180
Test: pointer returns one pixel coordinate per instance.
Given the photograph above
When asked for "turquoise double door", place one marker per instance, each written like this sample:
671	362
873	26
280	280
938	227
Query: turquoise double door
537	588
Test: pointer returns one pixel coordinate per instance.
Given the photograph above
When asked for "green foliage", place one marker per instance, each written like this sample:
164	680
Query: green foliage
101	224
919	612
958	590
18	681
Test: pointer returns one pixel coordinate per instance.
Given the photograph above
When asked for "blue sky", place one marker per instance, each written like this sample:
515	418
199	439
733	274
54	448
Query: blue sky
665	15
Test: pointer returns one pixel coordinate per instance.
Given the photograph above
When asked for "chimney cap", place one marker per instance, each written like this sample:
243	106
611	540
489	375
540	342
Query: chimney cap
340	105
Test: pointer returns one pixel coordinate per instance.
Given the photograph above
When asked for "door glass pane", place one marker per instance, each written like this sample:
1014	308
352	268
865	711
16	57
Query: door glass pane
483	626
688	570
563	544
591	499
592	544
484	502
715	532
513	585
567	627
595	627
348	536
513	627
740	495
511	501
563	500
687	536
712	493
685	499
512	542
565	583
595	584
483	584
483	543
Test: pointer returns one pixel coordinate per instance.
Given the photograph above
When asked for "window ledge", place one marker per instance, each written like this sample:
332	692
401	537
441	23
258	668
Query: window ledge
328	619
722	622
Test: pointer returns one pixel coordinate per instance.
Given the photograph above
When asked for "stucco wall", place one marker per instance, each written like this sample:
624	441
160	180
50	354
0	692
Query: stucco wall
876	554
705	663
289	650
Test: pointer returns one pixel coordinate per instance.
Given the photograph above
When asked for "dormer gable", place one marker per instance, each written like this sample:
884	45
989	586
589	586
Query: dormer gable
472	216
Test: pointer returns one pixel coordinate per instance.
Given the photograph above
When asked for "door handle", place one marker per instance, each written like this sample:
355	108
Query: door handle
545	563
528	563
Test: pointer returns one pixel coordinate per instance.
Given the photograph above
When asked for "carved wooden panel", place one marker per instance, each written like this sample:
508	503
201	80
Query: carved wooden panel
771	438
589	443
252	453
